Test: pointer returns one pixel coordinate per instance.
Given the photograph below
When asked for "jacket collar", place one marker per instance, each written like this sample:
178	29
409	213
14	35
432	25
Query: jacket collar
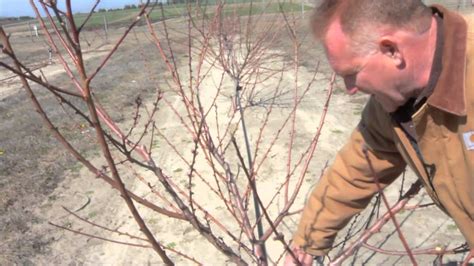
448	94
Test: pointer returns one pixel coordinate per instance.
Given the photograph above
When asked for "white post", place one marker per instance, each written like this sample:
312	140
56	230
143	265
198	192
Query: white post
35	28
31	31
106	29
50	52
302	8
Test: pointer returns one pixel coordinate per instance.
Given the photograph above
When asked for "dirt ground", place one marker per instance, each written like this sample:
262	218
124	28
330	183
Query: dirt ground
38	177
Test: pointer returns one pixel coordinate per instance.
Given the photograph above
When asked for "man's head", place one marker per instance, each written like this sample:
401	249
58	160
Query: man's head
381	47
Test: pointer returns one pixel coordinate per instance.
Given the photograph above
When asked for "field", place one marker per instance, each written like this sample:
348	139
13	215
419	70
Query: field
38	177
118	18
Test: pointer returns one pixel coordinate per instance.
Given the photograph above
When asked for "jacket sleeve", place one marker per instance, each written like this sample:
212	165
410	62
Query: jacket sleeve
348	185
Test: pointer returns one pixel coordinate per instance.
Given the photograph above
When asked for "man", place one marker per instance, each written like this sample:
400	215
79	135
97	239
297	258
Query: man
417	63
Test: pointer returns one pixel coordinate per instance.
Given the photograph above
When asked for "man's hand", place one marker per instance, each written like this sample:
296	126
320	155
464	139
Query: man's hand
304	258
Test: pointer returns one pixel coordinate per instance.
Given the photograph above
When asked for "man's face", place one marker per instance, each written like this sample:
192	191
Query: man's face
376	73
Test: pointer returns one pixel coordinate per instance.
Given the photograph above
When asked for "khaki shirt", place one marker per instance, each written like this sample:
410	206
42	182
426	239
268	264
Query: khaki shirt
445	130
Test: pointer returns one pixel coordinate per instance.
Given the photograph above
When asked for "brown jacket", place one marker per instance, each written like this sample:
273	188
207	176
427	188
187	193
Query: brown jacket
445	130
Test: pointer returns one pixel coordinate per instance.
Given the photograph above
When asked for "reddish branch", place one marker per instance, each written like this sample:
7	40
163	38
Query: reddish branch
311	149
424	251
468	258
387	205
375	228
102	142
99	237
95	236
116	231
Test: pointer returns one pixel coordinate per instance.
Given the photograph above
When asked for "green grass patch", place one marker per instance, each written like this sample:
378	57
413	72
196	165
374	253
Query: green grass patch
452	227
76	167
171	245
92	215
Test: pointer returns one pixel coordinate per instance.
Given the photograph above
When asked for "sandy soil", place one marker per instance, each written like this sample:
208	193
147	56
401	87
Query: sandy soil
38	178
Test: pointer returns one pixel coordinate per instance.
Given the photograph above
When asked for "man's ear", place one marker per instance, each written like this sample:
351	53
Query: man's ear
389	48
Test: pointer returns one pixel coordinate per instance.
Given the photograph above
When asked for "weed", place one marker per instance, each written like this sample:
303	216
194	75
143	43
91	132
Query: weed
452	227
67	224
171	245
92	214
52	198
76	167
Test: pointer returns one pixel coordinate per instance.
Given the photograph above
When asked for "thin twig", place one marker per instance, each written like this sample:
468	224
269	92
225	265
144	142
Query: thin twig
88	15
98	237
392	216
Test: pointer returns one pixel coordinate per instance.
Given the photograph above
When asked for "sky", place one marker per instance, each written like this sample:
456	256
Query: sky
16	8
